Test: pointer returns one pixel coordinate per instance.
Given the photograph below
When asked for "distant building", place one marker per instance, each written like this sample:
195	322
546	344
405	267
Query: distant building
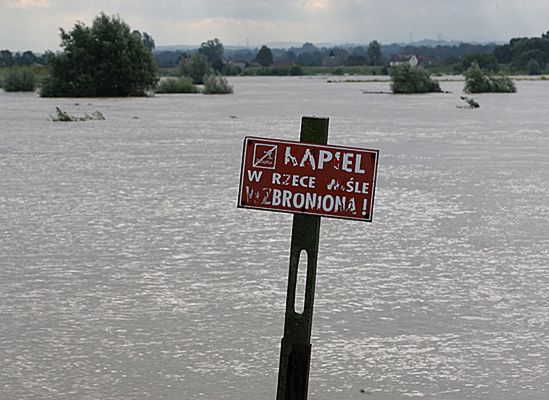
401	59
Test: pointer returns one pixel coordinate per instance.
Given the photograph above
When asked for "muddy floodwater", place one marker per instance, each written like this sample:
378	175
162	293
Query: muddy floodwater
127	272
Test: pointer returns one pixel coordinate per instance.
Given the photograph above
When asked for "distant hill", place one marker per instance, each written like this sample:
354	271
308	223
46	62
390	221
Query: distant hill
431	43
290	44
176	47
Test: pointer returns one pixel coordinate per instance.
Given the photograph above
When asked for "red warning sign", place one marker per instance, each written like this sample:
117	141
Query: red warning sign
296	177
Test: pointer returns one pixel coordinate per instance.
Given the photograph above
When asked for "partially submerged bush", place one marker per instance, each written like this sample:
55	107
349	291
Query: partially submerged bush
176	85
408	80
20	80
215	84
479	81
63	116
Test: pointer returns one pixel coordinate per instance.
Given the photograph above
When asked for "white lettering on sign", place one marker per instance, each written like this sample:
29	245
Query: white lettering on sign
289	158
307	156
351	162
293	180
254	176
313	201
351	186
324	157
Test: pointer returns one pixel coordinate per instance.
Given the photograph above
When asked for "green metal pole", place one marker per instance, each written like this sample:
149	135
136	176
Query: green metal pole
295	353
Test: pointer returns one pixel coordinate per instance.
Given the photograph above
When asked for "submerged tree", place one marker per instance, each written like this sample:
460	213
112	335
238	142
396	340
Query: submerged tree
480	81
106	59
408	80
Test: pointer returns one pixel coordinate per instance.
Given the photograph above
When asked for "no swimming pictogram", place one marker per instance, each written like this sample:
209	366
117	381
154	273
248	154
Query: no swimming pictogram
265	156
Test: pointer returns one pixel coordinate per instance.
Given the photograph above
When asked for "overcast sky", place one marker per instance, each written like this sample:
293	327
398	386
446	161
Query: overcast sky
34	24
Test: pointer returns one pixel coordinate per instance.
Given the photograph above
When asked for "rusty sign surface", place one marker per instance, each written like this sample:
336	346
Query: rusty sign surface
296	177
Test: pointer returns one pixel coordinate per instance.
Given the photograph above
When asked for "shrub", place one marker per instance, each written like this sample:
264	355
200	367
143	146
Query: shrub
215	84
19	80
479	81
408	80
176	85
106	59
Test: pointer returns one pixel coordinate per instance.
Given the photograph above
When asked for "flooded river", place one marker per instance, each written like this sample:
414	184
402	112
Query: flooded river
127	272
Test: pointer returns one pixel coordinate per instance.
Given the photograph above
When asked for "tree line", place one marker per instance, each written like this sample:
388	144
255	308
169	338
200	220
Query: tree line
26	58
520	55
525	54
309	55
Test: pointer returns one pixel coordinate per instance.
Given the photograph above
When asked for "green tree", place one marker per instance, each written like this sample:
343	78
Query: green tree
503	54
485	61
147	40
374	53
212	49
264	56
533	67
105	59
196	68
218	66
6	58
521	50
408	80
27	58
479	81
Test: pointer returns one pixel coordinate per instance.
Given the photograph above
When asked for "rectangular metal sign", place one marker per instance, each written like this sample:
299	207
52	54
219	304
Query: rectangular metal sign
296	177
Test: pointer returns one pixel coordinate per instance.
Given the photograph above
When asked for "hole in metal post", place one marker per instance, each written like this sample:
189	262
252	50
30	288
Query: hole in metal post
301	283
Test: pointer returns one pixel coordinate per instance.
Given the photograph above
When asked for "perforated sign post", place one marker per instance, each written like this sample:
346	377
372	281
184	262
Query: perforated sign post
311	180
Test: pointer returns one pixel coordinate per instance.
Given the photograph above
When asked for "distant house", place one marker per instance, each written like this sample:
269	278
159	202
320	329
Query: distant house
401	59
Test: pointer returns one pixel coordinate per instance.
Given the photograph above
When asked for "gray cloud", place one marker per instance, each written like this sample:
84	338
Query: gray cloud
33	24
